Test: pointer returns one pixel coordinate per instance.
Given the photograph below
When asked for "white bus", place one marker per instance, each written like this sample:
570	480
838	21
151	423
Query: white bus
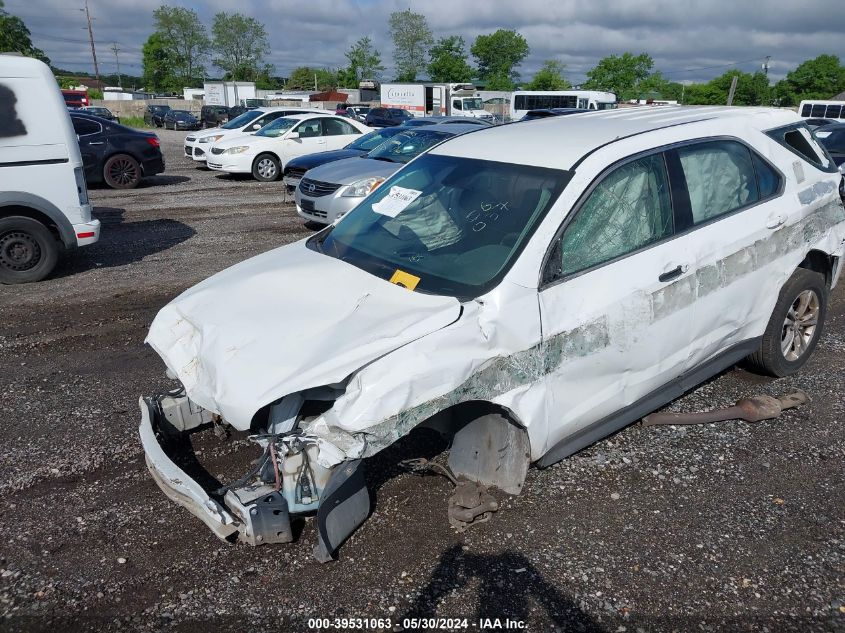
524	100
812	109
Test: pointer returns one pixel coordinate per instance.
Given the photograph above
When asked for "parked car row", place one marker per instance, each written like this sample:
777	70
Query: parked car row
328	192
210	116
265	153
197	145
296	167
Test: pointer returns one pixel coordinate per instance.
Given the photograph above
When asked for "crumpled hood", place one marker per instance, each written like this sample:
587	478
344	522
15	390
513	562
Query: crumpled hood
284	321
350	170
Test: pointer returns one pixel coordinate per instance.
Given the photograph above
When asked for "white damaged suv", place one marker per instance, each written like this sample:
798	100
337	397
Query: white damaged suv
526	290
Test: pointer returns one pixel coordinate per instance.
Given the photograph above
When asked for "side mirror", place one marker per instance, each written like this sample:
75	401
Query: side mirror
293	135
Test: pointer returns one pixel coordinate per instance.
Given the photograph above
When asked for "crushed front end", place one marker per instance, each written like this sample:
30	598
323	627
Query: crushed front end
287	479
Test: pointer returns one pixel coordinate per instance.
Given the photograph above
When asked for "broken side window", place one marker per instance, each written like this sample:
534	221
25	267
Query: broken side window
799	140
629	209
720	178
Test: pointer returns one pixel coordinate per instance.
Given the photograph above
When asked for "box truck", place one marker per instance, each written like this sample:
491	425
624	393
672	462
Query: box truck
431	99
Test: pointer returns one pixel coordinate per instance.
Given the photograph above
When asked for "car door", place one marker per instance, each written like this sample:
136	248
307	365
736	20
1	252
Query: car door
339	133
310	139
92	144
734	206
615	305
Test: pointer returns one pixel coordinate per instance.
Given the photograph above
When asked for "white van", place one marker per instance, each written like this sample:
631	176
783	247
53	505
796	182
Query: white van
814	109
44	206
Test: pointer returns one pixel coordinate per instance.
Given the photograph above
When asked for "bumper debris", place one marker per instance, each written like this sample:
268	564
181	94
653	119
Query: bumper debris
753	409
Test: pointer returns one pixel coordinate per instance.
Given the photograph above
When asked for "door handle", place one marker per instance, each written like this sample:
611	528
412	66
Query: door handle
675	272
776	221
96	143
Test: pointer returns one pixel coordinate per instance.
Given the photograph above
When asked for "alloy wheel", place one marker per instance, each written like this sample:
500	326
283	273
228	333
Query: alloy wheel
800	324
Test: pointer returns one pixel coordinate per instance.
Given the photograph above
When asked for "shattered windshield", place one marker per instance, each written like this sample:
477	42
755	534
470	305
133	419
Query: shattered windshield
446	225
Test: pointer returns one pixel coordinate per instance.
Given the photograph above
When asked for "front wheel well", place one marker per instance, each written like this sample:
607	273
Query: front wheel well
488	443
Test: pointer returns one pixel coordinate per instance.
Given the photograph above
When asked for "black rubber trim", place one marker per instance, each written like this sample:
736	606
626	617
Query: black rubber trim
656	399
350	485
28	163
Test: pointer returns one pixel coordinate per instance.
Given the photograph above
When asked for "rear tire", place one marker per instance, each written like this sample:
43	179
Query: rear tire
121	171
28	250
795	326
266	168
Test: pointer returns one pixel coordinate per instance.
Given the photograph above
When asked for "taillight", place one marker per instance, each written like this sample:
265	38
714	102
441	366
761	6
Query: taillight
153	140
81	187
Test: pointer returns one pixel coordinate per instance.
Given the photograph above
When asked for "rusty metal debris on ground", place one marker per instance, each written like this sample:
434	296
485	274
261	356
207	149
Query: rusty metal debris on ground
753	409
469	504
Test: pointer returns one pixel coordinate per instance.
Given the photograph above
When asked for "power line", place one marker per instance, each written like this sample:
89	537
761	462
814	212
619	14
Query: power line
688	70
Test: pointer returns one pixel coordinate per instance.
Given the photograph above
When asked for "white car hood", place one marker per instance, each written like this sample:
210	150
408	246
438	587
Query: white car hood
211	131
238	138
284	321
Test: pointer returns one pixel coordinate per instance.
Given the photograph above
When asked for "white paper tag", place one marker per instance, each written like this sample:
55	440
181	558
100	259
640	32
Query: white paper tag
396	201
798	168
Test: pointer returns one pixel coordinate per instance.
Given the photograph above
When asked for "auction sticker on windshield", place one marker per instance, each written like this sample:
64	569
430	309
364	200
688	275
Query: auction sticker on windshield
406	280
396	201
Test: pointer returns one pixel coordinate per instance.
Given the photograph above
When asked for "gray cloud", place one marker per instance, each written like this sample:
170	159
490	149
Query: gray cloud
679	34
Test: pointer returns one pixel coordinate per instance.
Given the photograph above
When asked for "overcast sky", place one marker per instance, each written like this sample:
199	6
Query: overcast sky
690	40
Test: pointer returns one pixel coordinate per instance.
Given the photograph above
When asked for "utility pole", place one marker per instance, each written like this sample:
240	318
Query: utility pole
733	90
766	65
117	62
91	37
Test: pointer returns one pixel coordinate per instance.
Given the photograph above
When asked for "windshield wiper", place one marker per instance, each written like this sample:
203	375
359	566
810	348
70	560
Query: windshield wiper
384	158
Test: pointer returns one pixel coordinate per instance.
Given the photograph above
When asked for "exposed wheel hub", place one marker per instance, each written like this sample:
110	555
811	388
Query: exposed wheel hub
19	251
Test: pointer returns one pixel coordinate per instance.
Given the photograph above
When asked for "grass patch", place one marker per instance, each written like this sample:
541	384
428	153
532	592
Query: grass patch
134	121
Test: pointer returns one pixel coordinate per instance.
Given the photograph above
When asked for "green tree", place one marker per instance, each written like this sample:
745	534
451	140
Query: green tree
303	77
240	44
185	41
751	89
621	74
411	40
447	60
364	63
16	38
549	77
497	56
653	86
158	74
820	78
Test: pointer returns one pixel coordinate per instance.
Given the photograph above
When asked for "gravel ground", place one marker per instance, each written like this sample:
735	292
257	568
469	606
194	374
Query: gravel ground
726	526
